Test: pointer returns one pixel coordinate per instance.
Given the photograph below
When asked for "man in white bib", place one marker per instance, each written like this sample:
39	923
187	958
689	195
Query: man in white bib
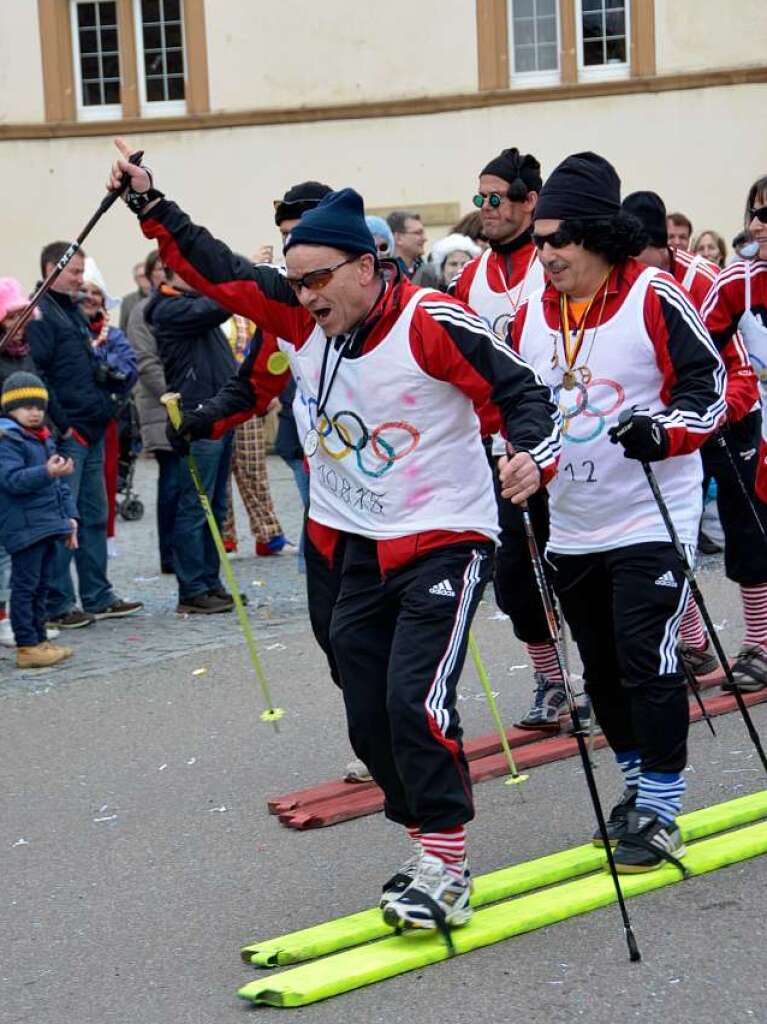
609	334
393	376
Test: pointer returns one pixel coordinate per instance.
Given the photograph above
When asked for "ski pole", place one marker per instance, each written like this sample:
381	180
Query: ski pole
698	598
271	714
106	203
692	682
479	665
548	607
721	441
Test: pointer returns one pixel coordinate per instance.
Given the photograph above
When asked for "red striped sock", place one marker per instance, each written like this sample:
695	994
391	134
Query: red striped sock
544	660
414	832
691	629
755	615
450	846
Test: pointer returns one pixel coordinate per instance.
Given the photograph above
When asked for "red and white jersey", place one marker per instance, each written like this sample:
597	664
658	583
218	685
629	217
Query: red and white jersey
697	276
650	350
495	283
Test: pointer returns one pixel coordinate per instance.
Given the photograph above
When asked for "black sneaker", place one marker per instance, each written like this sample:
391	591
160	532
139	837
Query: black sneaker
616	823
749	670
72	620
204	604
700	663
224	595
119	610
707	546
647	844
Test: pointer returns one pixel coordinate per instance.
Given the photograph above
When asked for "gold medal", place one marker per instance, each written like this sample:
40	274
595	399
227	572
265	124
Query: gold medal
568	380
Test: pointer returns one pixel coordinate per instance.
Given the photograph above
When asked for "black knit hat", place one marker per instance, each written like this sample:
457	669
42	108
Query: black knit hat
583	187
523	173
23	389
338	221
298	199
649	208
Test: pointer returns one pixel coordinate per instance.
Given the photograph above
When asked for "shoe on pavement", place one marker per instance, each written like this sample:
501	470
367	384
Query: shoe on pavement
400	880
41	655
647	844
204	604
435	899
585	715
6	634
278	545
357	771
224	595
68	651
707	546
75	619
549	704
119	609
700	663
617	822
51	632
749	670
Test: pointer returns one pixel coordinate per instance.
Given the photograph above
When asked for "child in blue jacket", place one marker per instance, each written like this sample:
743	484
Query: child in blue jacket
36	513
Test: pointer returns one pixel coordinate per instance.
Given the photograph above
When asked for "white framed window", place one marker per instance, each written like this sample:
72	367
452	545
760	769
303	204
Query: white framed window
603	30
534	42
96	59
161	57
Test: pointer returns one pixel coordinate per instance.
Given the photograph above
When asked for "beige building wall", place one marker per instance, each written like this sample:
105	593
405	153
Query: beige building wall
337	51
699	35
21	75
227	178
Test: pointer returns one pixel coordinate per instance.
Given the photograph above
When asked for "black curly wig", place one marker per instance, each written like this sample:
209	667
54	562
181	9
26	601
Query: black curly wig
615	238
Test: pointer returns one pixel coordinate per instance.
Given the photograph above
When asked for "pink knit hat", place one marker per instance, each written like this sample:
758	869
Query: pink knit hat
12	296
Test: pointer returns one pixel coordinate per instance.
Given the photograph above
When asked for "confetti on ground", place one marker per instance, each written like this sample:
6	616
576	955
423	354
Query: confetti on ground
275	647
192	760
258	583
21	842
162	768
213	810
199	672
515	668
108	817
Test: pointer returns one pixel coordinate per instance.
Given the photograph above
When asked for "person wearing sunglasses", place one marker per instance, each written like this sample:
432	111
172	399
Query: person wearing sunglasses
638	380
735	309
494	285
382	236
745	553
393	376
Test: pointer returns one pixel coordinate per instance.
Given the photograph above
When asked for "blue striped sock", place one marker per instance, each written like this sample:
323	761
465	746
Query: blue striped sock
661	792
628	762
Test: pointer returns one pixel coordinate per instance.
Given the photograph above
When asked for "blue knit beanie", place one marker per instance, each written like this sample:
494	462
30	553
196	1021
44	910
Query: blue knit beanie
338	221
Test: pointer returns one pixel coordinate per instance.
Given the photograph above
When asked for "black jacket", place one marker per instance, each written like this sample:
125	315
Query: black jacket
60	343
195	354
15	364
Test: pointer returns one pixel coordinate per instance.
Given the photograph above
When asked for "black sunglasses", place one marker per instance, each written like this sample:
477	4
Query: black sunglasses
760	212
557	239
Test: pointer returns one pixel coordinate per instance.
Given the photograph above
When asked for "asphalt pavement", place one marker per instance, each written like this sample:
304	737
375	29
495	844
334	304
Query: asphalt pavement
137	854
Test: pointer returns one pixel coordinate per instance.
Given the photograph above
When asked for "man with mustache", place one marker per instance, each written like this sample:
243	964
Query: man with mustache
611	335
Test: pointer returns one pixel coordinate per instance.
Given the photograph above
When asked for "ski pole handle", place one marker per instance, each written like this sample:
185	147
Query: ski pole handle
171	402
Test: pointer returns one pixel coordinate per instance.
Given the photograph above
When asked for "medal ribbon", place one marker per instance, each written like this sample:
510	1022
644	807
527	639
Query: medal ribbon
571	351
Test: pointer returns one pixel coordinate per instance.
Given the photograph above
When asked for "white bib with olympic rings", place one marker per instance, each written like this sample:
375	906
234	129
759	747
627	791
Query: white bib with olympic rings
399	451
600	500
497	309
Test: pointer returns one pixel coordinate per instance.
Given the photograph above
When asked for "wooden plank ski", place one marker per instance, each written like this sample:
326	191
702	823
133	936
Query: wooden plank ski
373	962
356	802
368	925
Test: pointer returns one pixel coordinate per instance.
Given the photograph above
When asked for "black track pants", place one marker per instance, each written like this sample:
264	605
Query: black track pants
516	592
745	550
323	582
624	607
400	645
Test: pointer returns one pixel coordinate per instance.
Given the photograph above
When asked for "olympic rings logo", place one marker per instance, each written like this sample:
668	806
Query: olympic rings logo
375	450
501	324
584	419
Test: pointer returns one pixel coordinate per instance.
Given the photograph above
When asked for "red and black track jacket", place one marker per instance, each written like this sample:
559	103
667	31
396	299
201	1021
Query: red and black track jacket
458	349
684	353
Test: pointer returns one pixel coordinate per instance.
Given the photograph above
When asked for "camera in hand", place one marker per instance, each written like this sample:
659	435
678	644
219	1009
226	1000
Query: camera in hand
108	376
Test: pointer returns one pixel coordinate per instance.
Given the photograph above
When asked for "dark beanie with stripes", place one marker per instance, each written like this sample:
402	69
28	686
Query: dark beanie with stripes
23	389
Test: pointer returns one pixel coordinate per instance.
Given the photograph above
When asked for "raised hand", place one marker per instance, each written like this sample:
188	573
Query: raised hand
140	181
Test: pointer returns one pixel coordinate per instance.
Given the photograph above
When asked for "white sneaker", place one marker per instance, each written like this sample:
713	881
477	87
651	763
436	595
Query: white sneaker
435	899
357	771
51	632
6	634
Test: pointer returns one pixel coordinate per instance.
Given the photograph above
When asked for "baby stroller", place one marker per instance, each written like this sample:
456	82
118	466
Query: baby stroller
131	508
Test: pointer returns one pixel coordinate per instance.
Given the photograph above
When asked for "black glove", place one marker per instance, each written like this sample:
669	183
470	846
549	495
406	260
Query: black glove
194	424
642	437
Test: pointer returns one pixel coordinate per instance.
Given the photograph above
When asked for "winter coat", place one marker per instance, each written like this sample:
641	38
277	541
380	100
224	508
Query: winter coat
60	343
151	382
195	353
33	505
